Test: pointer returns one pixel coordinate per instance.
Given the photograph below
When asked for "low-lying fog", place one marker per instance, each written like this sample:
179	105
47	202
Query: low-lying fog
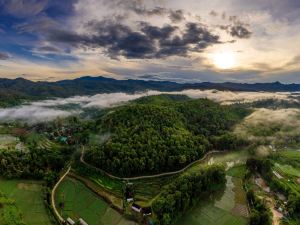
62	107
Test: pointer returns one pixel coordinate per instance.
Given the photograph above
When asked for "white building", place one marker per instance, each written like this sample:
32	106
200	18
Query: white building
70	221
82	222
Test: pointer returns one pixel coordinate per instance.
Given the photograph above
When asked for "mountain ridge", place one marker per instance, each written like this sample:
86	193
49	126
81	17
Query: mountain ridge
87	85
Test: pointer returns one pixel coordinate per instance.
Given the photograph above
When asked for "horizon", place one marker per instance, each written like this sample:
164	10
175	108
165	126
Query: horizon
197	41
100	76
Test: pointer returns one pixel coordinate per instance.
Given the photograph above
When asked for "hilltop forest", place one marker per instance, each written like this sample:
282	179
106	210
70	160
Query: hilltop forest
163	133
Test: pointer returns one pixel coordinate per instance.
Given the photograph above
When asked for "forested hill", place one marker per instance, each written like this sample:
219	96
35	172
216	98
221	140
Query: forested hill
18	89
163	133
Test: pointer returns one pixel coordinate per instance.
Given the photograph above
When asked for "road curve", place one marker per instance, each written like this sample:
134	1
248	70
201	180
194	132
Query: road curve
53	196
149	176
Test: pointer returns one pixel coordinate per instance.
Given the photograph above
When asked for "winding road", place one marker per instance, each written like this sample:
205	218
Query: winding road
145	177
53	195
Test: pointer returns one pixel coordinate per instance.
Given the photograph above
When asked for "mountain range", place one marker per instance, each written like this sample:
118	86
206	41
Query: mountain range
22	88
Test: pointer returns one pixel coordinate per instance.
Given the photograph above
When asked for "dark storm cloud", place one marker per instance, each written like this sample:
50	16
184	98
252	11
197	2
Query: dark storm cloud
137	6
176	16
157	32
240	31
148	42
236	28
149	12
23	8
4	56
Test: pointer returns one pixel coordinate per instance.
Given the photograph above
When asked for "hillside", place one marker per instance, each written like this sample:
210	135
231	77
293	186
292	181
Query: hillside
12	92
162	133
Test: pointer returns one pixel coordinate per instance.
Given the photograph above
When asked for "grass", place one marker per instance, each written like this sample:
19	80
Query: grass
28	199
237	171
221	208
9	213
80	202
290	154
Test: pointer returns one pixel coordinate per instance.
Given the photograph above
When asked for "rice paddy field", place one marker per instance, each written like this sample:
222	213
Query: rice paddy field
228	207
147	189
287	168
75	200
28	200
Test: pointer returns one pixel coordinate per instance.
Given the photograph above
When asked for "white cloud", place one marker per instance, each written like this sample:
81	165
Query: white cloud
46	110
32	114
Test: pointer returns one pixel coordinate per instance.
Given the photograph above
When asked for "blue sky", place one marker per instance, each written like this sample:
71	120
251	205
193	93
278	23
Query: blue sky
183	41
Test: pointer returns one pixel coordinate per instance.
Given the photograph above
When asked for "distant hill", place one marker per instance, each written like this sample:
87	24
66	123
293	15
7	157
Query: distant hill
20	88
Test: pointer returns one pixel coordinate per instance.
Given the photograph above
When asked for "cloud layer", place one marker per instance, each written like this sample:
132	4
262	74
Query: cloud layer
33	114
50	109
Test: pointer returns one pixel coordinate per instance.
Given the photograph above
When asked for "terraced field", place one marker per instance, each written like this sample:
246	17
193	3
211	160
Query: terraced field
40	141
28	199
76	201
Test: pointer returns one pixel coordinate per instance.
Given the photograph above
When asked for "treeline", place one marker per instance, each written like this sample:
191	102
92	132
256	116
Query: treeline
33	164
177	197
260	214
163	133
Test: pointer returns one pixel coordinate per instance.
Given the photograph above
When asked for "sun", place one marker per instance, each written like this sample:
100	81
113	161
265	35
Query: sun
224	60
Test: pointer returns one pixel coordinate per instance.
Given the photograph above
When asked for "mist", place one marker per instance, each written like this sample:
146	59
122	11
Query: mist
47	110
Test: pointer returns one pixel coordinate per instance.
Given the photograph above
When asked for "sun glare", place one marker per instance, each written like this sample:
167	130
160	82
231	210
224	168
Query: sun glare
224	60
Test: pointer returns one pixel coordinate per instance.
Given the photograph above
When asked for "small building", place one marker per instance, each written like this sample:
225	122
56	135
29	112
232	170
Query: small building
70	221
147	211
129	199
136	208
82	222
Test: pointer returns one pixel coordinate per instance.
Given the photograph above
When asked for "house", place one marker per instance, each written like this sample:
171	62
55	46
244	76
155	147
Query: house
82	222
136	208
70	221
147	211
129	199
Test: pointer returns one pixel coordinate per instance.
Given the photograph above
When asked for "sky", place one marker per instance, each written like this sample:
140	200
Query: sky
183	41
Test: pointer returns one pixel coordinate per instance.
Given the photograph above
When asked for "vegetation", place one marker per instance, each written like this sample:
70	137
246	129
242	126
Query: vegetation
33	164
177	197
75	200
163	133
26	201
260	213
281	179
9	214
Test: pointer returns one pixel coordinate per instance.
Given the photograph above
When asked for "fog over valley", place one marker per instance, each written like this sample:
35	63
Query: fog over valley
47	110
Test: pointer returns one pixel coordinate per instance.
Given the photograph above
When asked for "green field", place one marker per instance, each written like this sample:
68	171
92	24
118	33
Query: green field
75	200
293	155
147	189
28	199
287	170
237	171
223	208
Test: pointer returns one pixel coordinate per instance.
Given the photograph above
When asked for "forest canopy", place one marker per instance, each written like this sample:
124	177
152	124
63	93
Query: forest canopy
163	133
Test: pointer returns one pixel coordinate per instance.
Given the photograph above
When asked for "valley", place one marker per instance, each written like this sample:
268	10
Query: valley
99	189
